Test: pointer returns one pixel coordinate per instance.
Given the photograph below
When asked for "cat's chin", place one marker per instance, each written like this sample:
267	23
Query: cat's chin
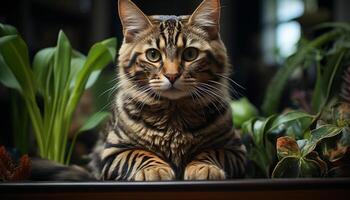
173	94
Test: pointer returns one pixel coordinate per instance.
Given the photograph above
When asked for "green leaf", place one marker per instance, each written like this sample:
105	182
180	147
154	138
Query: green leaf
111	43
323	168
77	64
7	38
42	68
287	146
62	59
15	54
94	120
298	128
309	168
7	30
324	131
290	117
6	76
93	78
247	127
288	167
294	167
266	126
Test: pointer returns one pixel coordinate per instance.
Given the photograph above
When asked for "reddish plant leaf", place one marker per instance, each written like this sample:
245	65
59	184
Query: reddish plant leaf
287	146
9	171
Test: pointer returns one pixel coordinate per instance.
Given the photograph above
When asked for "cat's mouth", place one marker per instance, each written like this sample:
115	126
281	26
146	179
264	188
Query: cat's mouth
173	93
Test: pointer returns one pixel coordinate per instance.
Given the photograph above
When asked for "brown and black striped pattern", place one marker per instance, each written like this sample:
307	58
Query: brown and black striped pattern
172	117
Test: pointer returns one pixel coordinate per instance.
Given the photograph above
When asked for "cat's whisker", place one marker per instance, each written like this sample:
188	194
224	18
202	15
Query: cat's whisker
230	88
200	100
231	80
214	92
212	97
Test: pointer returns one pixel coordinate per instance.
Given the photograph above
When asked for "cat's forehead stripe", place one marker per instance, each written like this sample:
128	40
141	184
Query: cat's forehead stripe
170	29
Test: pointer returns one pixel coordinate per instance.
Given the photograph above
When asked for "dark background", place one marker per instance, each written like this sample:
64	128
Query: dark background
243	25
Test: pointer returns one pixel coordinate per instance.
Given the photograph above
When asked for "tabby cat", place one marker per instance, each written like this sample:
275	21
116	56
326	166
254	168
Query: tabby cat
172	117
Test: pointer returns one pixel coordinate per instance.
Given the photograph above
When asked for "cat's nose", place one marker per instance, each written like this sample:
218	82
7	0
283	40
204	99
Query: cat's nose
172	77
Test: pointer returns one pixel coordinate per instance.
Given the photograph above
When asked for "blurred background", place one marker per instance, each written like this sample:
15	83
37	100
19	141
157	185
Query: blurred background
259	35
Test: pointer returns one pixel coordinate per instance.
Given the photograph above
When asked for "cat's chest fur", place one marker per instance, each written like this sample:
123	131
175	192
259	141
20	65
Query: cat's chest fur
166	129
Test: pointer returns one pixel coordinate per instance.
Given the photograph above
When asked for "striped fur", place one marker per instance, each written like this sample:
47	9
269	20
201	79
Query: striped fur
172	117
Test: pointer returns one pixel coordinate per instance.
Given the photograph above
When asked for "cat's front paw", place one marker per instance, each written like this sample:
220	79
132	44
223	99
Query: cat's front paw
203	171
154	174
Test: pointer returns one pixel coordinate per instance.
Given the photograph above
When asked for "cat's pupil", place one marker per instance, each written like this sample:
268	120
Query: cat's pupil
190	54
153	54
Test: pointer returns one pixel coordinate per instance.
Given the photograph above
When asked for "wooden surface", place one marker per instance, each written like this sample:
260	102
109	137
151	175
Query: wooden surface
285	189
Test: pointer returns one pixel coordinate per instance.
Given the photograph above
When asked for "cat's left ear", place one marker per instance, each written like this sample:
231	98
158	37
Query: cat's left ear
207	17
133	19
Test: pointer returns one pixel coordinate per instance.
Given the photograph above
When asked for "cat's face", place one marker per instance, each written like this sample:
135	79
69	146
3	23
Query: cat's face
172	56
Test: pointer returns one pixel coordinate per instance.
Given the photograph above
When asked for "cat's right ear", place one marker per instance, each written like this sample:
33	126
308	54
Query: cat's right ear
132	18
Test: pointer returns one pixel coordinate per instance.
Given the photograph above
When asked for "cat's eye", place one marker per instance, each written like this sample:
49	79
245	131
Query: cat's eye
153	55
190	54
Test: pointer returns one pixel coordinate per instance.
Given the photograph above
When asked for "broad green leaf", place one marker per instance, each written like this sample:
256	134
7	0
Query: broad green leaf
6	29
6	76
309	168
42	68
299	128
247	127
294	167
77	64
93	78
287	146
15	55
324	131
288	167
323	168
93	121
111	44
265	127
301	143
7	38
62	59
289	117
257	126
